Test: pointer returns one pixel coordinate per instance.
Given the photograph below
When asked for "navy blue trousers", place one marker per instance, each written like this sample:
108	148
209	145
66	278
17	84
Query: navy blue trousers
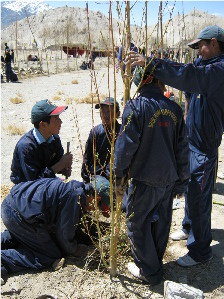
186	223
25	246
148	237
199	205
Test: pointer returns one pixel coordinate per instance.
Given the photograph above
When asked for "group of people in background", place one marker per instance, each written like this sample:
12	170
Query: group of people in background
157	155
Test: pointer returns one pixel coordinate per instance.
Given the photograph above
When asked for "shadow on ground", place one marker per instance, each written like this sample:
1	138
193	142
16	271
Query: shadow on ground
206	277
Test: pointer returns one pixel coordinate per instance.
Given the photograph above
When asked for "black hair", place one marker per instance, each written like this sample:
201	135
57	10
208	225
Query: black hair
47	119
221	46
117	107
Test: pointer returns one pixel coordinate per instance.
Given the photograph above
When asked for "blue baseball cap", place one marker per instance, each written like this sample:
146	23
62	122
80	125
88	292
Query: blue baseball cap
109	102
208	33
43	109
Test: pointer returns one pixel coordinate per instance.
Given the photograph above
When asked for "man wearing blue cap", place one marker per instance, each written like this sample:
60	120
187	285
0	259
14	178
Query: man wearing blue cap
101	136
39	153
205	125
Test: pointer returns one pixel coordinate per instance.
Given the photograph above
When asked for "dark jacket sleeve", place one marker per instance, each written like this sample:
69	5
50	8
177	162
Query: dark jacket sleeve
182	159
87	159
128	140
188	77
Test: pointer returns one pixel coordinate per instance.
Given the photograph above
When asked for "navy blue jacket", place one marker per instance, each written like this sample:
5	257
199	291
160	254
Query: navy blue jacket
52	205
205	118
32	160
103	152
153	147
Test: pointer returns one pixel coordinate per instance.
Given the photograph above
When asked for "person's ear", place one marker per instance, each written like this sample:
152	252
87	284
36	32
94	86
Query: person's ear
214	42
42	124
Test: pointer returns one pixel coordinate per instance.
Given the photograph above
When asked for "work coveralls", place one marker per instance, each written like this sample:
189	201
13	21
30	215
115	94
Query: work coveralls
41	218
99	137
33	157
152	151
205	126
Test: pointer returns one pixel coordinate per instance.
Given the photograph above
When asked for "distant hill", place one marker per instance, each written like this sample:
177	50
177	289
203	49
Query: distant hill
20	9
55	27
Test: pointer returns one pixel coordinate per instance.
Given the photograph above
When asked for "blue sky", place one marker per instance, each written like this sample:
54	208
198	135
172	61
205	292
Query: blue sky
212	7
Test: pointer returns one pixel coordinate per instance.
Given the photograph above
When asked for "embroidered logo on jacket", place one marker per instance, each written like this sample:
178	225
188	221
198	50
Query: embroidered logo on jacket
161	112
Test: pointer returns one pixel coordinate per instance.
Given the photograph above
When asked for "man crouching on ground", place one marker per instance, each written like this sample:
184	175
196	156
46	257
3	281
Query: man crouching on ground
41	218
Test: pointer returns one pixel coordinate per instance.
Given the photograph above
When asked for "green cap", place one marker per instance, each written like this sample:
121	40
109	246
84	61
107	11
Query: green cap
43	109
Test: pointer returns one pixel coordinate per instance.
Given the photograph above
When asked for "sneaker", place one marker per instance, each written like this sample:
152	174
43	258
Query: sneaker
2	281
135	271
179	235
186	261
58	264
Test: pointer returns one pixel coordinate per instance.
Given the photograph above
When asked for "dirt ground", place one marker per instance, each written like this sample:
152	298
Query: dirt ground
86	277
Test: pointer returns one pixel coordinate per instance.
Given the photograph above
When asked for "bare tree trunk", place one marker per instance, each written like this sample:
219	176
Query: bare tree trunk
161	27
67	46
128	69
16	42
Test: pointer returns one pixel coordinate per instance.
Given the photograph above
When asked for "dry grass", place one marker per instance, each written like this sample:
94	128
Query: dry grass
75	81
68	101
56	98
13	130
5	189
86	100
60	92
91	98
19	94
18	99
